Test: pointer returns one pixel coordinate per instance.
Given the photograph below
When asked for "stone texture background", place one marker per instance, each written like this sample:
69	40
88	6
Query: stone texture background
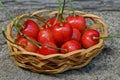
80	4
105	66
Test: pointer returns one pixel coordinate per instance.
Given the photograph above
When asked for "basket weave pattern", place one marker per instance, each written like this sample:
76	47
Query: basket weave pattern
56	63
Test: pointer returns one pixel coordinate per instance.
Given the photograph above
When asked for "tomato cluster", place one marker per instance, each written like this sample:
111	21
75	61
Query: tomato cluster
60	37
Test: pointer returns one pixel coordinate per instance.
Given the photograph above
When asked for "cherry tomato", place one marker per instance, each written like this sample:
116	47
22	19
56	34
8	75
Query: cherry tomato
28	46
88	38
52	21
76	35
77	22
31	28
45	50
62	32
45	35
70	46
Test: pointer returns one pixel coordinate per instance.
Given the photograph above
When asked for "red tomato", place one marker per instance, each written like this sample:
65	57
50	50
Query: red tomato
45	35
70	46
76	35
52	21
62	32
88	38
28	46
31	29
45	50
77	22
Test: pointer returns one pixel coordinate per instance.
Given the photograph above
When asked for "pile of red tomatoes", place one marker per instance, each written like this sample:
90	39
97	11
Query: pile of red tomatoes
59	37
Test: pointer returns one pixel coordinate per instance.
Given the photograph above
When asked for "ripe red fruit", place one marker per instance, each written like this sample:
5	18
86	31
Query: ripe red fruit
45	35
88	38
77	22
71	45
45	50
76	35
30	29
62	32
52	21
28	46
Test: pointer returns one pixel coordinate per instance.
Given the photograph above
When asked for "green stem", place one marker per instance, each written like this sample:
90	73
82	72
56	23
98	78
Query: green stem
59	11
110	37
53	47
63	7
18	21
5	10
36	16
71	5
3	32
15	22
59	8
62	19
32	41
106	37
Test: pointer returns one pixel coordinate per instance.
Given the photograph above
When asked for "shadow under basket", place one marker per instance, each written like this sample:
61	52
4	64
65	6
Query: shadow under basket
57	63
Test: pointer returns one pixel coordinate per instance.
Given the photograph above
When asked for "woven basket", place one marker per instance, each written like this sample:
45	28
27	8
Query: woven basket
56	63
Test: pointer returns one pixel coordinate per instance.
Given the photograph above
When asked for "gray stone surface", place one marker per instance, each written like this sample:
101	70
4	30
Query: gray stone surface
79	4
105	66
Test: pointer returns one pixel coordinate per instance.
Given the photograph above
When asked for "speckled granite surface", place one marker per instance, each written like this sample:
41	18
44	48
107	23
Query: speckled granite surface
106	66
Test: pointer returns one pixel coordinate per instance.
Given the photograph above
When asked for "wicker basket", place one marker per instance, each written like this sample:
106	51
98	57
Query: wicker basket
56	63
